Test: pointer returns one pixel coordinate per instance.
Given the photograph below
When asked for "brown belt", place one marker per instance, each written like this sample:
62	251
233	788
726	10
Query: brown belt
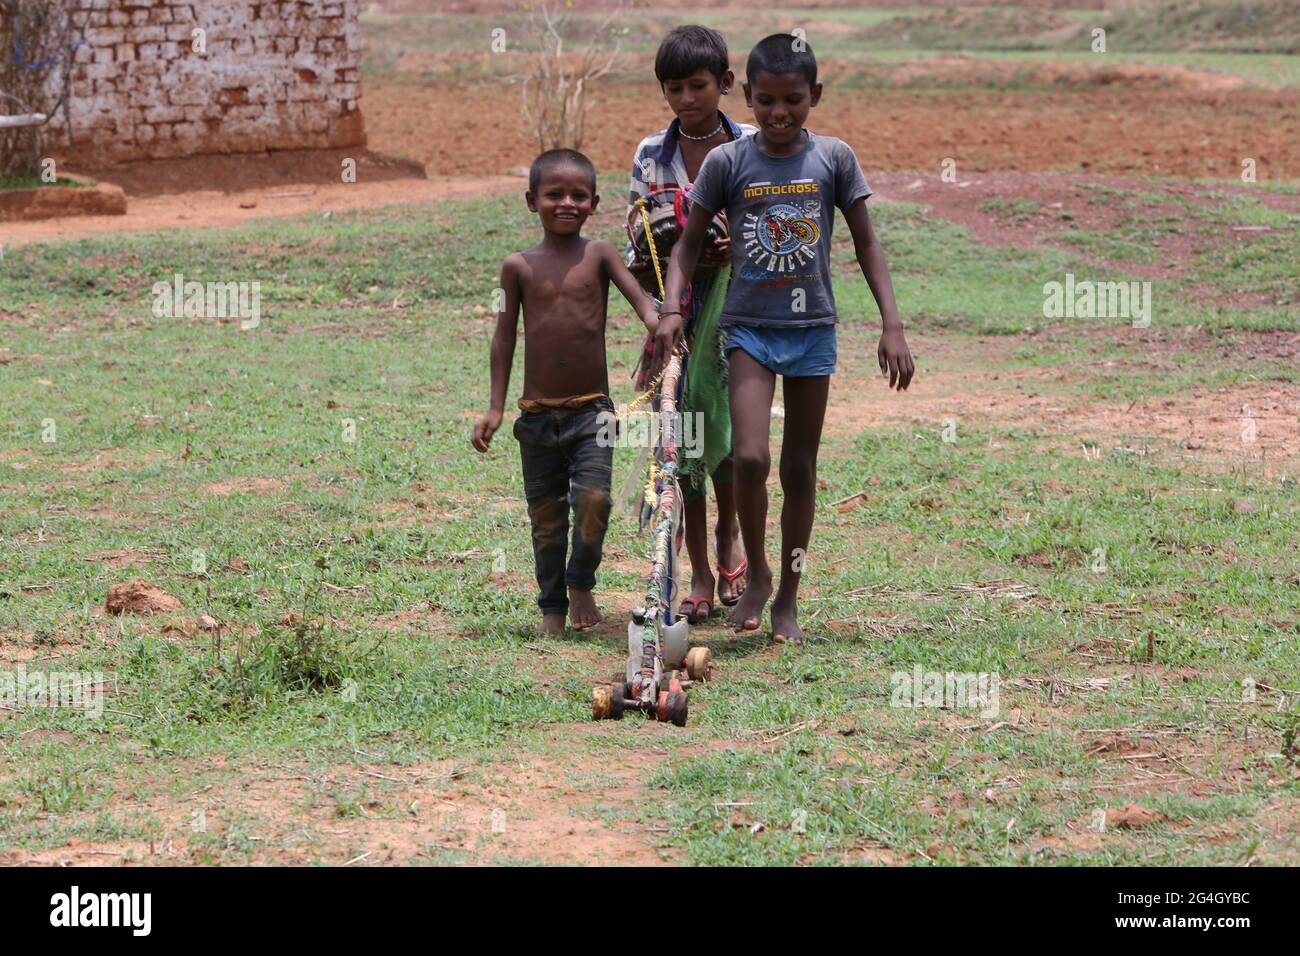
572	401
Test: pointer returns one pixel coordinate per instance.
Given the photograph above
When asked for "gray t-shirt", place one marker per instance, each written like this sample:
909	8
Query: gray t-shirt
780	211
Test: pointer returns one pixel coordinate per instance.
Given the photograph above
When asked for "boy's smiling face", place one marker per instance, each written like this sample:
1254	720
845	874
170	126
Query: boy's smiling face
781	102
694	98
564	199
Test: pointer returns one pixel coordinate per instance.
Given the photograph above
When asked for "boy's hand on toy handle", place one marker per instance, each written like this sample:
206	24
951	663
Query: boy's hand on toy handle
717	255
895	358
487	427
667	337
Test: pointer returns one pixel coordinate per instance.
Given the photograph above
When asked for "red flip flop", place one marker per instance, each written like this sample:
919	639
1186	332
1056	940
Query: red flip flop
694	615
730	578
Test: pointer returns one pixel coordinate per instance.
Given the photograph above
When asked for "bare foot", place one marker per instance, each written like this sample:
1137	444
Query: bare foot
583	612
747	615
730	556
552	623
785	623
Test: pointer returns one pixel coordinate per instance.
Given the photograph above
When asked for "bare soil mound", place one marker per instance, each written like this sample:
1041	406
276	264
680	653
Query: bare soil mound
138	596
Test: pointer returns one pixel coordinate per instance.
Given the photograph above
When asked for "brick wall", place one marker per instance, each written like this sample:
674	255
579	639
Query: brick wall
276	74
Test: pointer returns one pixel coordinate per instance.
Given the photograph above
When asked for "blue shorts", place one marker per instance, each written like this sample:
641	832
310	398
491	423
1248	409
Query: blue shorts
794	353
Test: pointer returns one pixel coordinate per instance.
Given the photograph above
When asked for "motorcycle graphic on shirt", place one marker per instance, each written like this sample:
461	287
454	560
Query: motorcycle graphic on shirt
783	230
781	238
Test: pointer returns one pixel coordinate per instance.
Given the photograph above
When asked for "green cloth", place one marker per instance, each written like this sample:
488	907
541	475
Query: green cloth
705	388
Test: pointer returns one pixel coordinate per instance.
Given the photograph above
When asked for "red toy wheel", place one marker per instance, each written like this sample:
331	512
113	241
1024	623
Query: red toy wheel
677	708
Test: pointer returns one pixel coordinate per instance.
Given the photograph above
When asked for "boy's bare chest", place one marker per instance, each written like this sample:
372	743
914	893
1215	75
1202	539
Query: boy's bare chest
579	284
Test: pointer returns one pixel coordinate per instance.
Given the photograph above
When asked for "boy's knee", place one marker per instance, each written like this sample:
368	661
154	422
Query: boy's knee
549	517
751	464
592	507
798	475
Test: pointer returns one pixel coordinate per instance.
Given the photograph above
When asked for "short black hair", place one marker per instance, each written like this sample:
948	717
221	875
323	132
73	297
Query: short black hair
690	48
782	53
555	159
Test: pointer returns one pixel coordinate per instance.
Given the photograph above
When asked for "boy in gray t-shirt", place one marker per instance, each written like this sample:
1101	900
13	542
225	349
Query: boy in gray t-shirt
783	210
780	188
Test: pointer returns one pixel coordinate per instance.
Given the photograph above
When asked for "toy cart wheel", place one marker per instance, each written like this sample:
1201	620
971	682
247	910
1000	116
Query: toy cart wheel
616	701
699	662
601	702
677	708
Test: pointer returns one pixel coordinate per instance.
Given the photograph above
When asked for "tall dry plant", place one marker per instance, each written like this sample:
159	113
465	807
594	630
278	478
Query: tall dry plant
555	93
38	39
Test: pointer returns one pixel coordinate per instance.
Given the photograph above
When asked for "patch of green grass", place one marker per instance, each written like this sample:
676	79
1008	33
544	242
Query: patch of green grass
980	28
1214	27
478	48
190	443
1240	246
1136	244
1249	26
1259	258
1016	209
34	181
56	794
866	46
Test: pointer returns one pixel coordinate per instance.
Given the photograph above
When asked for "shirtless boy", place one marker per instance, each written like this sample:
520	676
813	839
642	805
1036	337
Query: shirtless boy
562	284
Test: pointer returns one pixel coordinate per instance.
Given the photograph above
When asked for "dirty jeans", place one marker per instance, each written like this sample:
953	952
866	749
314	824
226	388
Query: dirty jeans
565	468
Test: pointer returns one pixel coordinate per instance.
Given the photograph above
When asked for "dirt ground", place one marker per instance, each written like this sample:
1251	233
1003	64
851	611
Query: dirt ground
1120	120
217	208
1117	127
515	810
1117	120
1201	426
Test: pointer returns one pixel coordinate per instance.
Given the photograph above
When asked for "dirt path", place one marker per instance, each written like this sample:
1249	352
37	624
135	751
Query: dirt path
213	208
